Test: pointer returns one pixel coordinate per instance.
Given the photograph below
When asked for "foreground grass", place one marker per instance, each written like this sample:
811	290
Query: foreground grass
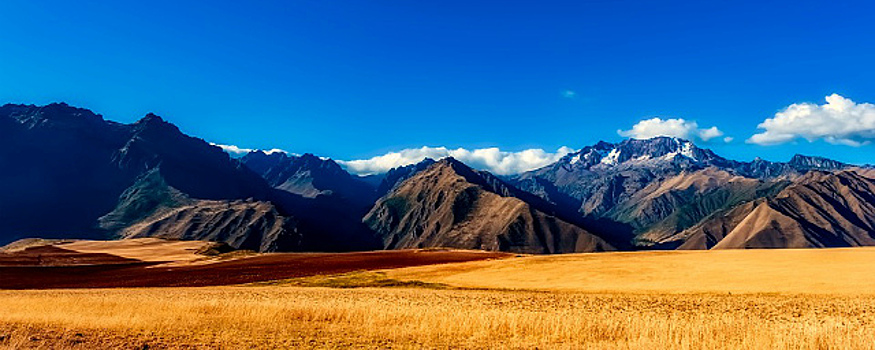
267	317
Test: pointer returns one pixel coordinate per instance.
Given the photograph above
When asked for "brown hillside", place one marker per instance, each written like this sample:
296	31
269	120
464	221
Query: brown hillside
242	224
451	205
821	209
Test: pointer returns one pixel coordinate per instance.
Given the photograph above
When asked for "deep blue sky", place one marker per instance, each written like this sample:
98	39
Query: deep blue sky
355	79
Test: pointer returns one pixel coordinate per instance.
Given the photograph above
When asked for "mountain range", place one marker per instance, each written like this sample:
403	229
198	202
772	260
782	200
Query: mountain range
68	173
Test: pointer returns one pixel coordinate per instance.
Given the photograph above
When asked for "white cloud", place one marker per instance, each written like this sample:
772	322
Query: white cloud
839	121
491	159
685	129
569	94
237	151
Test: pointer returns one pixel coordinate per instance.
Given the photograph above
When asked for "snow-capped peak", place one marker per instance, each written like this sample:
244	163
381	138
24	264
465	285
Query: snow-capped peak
683	148
655	151
613	157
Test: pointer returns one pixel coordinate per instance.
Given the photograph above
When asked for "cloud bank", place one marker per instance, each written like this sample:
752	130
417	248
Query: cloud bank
237	151
839	121
492	159
685	129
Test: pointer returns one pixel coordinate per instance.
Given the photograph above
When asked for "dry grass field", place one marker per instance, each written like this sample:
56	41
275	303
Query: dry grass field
296	317
845	271
676	300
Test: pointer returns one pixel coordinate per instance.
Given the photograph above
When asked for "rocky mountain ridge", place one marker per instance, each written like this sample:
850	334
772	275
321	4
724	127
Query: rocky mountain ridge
85	177
659	187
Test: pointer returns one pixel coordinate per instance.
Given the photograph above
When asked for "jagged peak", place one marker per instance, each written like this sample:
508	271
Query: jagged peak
657	139
815	162
152	124
310	156
59	105
282	162
655	149
455	166
56	113
460	169
62	106
422	164
271	156
151	118
263	153
603	145
450	161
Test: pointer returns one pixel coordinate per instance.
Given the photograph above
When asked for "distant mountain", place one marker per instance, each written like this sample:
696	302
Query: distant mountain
451	205
374	180
661	186
598	178
397	175
333	203
803	163
797	166
309	176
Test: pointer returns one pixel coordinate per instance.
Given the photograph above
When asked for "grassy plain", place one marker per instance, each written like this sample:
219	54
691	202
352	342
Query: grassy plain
683	300
300	317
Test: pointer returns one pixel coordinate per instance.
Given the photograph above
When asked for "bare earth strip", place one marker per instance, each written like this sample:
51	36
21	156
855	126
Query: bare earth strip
144	249
56	266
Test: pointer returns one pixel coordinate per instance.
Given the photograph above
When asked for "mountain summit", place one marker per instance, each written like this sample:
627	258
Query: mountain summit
649	152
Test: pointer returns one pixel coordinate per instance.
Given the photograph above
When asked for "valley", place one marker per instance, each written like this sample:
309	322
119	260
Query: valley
738	299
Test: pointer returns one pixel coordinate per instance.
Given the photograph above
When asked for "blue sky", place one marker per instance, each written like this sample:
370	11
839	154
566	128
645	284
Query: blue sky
357	79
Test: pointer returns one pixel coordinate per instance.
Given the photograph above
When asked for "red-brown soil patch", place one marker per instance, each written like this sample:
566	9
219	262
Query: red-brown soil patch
265	267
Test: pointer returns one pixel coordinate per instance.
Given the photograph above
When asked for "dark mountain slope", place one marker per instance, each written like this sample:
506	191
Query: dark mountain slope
242	224
452	205
309	176
327	201
83	177
58	176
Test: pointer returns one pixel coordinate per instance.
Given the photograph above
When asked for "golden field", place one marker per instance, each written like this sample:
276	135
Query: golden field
527	302
845	271
269	317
